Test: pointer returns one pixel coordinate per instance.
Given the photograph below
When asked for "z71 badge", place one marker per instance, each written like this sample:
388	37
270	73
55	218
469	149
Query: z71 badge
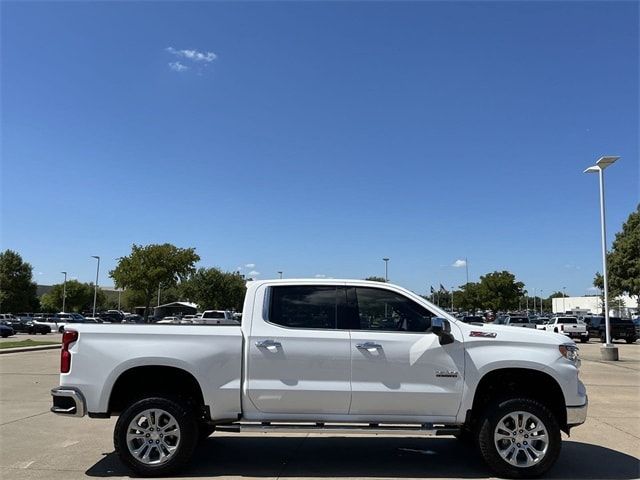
483	334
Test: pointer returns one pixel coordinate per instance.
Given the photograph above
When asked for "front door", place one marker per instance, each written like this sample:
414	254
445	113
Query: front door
398	366
298	362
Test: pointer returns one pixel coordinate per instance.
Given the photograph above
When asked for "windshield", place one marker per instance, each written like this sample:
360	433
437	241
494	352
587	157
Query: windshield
213	315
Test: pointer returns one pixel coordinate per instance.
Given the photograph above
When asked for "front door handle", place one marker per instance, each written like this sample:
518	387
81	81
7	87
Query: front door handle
270	344
368	346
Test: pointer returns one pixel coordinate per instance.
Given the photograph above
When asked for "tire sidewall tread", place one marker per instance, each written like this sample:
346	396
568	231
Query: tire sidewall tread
487	424
188	435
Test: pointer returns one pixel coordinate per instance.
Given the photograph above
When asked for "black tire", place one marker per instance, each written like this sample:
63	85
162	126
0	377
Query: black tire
584	339
603	339
187	424
204	431
43	333
631	340
5	335
488	422
61	329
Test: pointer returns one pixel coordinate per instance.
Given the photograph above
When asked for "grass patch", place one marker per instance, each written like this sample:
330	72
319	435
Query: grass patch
25	343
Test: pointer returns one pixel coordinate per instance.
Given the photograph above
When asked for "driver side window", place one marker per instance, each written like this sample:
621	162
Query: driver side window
388	311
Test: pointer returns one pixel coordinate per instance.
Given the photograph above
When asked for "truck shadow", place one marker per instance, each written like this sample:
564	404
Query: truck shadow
394	457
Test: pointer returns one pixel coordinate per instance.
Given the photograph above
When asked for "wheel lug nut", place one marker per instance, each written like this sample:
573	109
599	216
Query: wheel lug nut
147	435
520	431
150	441
517	444
525	442
157	441
161	435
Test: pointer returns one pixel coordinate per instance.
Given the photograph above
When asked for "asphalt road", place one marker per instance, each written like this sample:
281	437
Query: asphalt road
36	444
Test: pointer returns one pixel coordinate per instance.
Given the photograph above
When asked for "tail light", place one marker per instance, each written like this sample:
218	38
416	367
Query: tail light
68	337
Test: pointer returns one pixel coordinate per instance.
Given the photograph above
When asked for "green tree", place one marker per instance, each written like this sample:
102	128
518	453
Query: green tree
79	297
500	290
17	289
213	289
150	266
624	259
376	279
470	297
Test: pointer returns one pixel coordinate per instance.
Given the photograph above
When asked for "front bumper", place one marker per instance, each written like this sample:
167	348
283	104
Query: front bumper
577	415
68	401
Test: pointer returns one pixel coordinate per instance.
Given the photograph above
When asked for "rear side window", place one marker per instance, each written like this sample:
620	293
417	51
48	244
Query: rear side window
303	306
567	320
213	315
388	311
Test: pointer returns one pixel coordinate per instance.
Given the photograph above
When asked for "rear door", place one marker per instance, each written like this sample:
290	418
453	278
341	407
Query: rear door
298	361
398	367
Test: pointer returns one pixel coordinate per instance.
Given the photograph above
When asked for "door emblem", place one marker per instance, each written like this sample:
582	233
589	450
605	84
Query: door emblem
475	333
446	374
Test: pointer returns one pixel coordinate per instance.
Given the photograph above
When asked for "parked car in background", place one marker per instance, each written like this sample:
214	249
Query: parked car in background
636	322
133	318
26	325
217	317
55	323
5	330
568	326
472	319
621	328
515	321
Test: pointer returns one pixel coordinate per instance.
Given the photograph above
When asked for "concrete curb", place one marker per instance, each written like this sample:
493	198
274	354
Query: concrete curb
28	349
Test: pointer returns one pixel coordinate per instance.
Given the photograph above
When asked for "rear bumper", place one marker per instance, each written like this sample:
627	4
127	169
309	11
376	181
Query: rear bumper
577	415
68	401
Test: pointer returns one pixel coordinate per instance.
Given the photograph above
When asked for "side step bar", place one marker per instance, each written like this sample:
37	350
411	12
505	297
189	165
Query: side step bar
425	429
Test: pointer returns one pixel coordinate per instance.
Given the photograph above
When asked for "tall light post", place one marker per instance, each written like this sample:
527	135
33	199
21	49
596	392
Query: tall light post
280	273
119	297
541	299
64	292
534	299
564	295
608	351
95	287
386	269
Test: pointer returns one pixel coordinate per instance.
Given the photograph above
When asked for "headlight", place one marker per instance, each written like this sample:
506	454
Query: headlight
570	352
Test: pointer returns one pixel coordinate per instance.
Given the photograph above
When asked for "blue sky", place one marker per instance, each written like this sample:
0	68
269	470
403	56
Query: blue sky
317	138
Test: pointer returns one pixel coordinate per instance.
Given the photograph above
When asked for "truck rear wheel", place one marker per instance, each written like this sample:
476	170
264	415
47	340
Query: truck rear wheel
519	438
156	436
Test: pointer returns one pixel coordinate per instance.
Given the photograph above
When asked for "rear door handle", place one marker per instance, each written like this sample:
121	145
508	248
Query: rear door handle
270	344
368	346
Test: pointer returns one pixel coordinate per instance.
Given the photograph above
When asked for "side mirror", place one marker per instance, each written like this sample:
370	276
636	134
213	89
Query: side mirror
442	328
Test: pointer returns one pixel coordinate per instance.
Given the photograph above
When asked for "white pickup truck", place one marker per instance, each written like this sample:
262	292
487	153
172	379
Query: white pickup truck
569	326
330	356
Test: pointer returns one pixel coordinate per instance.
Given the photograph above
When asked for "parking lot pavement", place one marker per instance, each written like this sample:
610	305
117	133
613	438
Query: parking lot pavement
36	444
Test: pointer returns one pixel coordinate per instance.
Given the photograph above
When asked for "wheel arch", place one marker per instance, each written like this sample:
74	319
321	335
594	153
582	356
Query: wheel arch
519	382
136	382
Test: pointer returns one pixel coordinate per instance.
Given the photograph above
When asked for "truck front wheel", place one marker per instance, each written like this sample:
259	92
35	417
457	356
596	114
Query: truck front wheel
519	438
156	436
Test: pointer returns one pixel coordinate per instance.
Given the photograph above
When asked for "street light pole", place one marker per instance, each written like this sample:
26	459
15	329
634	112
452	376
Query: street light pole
608	351
119	295
564	295
280	273
386	269
95	287
64	292
541	300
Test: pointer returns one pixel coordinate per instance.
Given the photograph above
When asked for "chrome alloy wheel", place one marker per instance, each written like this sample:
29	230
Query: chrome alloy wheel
153	436
521	439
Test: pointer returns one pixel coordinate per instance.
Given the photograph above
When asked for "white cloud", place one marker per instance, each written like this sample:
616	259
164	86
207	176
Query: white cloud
250	265
253	273
193	55
459	263
177	67
320	275
593	289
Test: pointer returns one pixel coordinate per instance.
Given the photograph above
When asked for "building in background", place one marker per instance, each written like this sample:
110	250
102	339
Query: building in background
623	306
